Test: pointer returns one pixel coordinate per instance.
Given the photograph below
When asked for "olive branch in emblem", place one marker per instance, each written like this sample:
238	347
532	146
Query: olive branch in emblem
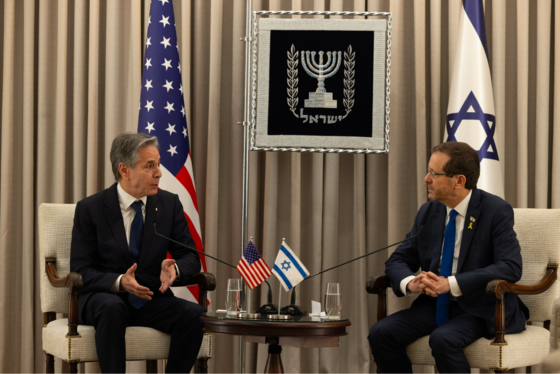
349	65
293	80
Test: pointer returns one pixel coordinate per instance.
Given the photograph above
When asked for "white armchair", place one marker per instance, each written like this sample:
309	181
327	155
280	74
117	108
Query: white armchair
74	343
538	231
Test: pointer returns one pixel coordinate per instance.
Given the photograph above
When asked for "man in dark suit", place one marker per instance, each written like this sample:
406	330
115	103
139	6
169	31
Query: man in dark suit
123	263
468	240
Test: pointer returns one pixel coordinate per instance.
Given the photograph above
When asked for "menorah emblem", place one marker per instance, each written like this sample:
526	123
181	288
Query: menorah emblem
321	98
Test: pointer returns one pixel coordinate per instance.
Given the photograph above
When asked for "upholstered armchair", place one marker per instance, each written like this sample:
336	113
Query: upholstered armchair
74	343
538	231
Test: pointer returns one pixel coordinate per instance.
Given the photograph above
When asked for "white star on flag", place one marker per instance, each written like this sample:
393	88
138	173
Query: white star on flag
170	128
148	63
163	2
150	127
179	67
149	105
167	64
172	150
169	107
168	85
148	85
183	111
148	42
165	42
185	132
164	20
181	88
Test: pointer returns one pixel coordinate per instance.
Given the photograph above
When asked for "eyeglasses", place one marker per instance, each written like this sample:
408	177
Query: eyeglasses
431	172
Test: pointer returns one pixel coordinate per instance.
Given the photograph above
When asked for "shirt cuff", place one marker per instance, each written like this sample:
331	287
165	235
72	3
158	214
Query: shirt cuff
116	287
454	286
404	283
178	272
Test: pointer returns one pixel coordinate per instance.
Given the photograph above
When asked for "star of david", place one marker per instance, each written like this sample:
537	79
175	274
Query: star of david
285	265
488	149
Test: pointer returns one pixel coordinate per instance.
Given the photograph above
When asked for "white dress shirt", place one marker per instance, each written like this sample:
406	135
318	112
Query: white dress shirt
461	210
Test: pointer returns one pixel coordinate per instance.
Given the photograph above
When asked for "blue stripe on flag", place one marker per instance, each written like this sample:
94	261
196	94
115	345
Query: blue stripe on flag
475	12
294	261
283	276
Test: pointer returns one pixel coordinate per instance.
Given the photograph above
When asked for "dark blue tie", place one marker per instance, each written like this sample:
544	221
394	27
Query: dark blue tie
135	243
442	312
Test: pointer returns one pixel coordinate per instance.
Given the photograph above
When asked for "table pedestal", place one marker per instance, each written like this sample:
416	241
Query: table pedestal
274	361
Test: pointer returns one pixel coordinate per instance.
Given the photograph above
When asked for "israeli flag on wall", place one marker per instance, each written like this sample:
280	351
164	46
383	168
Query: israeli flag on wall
470	112
288	268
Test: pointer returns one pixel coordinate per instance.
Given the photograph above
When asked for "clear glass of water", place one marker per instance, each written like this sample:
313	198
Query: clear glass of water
333	301
233	296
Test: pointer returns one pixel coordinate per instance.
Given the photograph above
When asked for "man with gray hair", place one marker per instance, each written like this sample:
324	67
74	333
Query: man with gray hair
123	263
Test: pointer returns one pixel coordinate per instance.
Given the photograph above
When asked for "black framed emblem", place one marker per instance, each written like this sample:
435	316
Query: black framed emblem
321	85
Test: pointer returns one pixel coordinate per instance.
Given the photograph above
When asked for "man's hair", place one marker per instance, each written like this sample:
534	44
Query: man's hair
125	149
463	160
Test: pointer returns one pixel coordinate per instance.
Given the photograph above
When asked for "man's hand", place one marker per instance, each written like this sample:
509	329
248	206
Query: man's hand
414	285
129	284
168	274
432	285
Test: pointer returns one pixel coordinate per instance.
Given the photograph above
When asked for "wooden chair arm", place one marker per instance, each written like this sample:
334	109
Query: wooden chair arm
378	284
75	283
206	282
497	288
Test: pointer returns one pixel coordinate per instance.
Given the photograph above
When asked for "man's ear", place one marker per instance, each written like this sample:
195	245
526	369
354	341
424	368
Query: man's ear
123	169
461	181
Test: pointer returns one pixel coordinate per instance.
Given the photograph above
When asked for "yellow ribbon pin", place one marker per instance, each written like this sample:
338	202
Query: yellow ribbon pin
470	225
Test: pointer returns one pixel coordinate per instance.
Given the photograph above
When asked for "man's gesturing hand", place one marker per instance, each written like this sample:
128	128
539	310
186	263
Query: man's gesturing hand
168	274
432	285
129	284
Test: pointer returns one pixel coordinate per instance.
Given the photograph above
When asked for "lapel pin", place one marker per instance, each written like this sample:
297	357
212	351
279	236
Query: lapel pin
473	219
470	225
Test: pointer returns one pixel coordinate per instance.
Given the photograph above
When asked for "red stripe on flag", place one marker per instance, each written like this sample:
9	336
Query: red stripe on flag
186	180
246	273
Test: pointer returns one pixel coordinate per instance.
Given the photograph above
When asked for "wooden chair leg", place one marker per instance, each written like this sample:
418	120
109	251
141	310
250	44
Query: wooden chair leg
151	366
49	361
203	365
72	367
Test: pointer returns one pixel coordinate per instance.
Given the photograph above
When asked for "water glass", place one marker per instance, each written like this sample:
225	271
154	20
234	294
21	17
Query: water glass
233	296
333	301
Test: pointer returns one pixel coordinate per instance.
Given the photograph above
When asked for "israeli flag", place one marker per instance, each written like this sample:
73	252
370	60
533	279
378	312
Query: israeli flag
470	112
288	268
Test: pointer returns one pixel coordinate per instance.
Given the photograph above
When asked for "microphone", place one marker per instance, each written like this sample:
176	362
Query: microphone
422	224
186	246
269	307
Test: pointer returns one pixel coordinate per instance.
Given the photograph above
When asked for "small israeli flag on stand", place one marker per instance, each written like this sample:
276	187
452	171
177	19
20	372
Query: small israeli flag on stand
470	111
288	268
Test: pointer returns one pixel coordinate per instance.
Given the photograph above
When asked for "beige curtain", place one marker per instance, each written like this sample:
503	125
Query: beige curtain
70	80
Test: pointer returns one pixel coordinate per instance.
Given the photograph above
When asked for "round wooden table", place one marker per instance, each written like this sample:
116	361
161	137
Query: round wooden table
304	332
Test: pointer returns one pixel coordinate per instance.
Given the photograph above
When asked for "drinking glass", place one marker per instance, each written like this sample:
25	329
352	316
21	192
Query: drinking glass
333	301
233	296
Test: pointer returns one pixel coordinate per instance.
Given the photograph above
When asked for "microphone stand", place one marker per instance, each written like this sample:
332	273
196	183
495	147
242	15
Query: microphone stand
422	224
293	309
269	307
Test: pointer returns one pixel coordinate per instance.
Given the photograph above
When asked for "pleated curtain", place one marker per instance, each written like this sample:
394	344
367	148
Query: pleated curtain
70	80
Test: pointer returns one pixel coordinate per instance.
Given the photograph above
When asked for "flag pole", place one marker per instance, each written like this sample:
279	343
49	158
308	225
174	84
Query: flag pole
279	298
246	138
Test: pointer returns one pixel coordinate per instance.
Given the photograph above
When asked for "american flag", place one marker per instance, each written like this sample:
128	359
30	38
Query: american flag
252	267
162	113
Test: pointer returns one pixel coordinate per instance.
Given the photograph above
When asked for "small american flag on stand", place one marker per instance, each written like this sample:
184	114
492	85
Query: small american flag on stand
252	267
162	113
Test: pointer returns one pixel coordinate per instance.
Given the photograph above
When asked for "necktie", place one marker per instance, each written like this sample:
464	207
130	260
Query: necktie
442	311
135	243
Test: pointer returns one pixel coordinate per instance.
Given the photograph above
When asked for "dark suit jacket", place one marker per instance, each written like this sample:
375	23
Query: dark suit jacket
100	252
490	250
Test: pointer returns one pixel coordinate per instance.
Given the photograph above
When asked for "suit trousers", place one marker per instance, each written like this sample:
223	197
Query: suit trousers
389	337
111	314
